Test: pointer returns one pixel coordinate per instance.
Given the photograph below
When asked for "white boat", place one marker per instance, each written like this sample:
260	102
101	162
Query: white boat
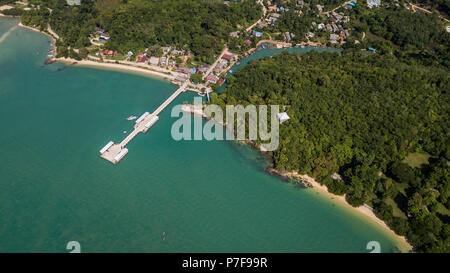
131	118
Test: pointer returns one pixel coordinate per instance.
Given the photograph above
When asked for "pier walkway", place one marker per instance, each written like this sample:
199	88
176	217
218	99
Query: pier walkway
115	152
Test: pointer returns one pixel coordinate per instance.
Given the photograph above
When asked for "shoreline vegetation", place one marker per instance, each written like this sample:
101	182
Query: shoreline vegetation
309	182
104	65
116	67
352	124
364	210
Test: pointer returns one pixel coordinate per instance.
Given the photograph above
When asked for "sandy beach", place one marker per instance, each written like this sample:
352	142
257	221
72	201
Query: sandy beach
5	7
112	66
37	30
364	210
119	67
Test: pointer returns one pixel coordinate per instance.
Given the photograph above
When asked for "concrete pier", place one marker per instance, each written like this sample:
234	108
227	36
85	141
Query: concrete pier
116	152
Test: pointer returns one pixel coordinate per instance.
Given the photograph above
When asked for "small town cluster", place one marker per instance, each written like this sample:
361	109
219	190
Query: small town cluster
331	24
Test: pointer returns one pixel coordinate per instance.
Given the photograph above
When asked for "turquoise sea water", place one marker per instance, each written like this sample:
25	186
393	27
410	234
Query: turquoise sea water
165	196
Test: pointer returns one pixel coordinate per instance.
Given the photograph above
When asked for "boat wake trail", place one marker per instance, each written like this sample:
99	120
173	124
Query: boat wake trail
3	37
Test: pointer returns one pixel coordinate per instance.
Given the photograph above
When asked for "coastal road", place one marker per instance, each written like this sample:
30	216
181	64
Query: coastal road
338	7
260	20
225	50
415	8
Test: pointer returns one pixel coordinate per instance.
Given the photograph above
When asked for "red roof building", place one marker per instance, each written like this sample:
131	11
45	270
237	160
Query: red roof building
227	57
140	58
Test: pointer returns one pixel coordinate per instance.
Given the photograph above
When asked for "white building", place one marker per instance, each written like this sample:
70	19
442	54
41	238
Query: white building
154	61
73	2
373	3
163	60
282	117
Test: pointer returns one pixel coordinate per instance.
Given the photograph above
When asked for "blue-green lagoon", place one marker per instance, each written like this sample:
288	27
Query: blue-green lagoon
164	196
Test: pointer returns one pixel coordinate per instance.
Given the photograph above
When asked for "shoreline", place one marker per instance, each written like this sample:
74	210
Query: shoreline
364	210
117	67
112	66
53	39
322	189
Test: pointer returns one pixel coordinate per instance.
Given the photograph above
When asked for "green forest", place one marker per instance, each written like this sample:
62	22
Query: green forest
401	32
200	26
442	6
361	115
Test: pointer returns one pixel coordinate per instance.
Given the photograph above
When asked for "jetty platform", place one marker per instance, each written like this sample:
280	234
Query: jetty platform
115	152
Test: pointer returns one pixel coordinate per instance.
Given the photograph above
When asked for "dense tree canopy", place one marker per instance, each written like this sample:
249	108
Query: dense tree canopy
404	33
200	26
359	115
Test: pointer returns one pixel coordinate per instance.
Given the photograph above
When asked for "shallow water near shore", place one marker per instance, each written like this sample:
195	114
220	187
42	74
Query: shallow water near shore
164	196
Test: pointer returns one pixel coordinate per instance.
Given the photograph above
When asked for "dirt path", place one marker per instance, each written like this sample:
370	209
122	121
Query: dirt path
415	8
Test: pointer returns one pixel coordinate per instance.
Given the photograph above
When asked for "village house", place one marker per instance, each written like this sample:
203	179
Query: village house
181	78
166	49
154	61
99	30
373	3
227	57
234	34
104	36
176	52
204	68
273	17
257	33
107	52
320	8
171	63
347	33
163	61
262	25
73	2
220	66
335	28
334	38
212	79
141	58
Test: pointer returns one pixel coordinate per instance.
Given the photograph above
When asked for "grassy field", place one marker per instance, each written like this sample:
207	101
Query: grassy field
416	160
443	210
395	210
